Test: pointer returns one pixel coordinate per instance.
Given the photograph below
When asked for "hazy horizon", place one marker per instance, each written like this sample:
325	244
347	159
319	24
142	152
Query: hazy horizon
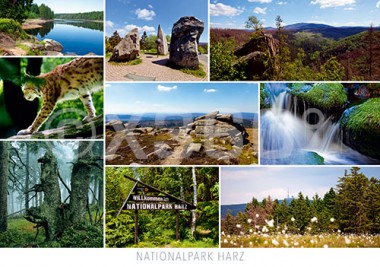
174	98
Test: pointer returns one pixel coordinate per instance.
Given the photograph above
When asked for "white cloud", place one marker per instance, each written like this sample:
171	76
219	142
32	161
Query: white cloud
260	1
108	85
349	8
166	88
220	9
127	28
281	3
145	14
109	23
378	5
333	3
259	10
210	90
138	102
150	6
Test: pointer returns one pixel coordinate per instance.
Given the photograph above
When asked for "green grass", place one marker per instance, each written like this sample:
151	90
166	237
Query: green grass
21	233
300	241
136	61
199	72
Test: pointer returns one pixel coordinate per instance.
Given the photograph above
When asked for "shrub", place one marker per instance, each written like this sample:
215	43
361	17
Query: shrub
13	28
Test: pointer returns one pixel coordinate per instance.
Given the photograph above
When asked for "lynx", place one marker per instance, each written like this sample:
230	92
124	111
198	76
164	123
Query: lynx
75	79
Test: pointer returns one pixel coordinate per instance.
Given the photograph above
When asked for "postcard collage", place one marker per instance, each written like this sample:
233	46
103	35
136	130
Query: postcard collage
190	124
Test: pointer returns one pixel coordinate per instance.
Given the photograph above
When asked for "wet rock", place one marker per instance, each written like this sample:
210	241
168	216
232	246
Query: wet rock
128	48
184	42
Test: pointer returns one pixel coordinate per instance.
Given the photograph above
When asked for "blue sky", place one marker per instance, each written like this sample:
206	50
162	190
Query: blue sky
124	15
137	98
239	184
233	13
72	6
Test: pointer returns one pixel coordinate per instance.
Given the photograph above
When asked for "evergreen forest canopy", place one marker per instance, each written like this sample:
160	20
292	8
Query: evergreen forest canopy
157	228
94	15
353	207
51	194
294	54
19	10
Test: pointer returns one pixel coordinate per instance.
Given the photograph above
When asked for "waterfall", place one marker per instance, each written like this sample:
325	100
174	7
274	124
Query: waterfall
288	138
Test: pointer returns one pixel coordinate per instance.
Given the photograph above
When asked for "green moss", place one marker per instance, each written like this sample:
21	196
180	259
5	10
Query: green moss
13	28
362	127
322	95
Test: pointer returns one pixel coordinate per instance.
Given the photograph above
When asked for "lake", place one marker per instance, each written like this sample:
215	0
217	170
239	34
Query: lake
77	37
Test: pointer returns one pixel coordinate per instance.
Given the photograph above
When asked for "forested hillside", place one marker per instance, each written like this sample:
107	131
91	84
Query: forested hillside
292	53
94	15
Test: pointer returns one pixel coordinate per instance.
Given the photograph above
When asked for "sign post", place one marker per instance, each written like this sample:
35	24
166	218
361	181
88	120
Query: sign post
147	197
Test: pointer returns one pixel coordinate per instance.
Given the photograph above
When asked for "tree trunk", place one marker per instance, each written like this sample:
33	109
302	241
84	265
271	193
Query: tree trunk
51	209
193	212
100	193
27	176
3	186
80	183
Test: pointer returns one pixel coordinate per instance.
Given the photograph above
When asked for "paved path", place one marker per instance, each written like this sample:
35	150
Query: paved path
152	69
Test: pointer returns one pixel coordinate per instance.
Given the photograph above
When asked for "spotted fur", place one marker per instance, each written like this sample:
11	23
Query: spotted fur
75	79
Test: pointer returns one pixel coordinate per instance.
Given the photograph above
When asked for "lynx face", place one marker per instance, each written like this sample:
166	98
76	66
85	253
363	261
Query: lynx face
31	91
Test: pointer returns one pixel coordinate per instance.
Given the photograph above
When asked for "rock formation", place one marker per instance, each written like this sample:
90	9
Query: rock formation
162	43
256	53
128	48
184	42
220	126
51	45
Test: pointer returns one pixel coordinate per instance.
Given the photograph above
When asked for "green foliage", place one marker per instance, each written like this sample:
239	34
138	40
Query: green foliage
323	95
12	28
94	15
353	207
17	10
112	41
45	12
157	228
223	60
82	236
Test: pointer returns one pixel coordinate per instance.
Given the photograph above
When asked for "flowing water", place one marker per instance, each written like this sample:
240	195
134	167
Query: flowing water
288	137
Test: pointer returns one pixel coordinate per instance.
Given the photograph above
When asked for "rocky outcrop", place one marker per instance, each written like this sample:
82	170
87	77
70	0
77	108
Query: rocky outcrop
256	53
51	45
184	42
162	43
128	48
218	126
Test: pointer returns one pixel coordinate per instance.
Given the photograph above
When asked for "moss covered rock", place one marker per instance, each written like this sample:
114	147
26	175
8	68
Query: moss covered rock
361	127
321	95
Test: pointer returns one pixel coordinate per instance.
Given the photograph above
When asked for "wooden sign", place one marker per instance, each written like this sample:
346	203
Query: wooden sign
147	197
